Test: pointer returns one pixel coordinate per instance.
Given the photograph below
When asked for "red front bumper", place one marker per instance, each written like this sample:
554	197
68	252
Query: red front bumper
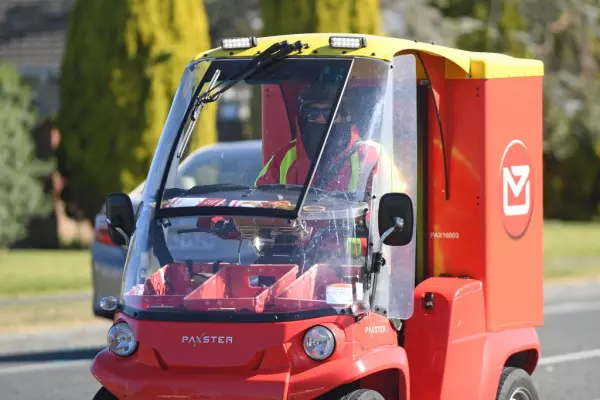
128	379
131	380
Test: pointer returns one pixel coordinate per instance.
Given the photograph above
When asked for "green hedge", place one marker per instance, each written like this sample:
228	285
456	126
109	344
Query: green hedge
310	16
21	193
120	72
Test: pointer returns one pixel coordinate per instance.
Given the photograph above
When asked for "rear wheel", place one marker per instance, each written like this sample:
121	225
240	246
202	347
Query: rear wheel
104	394
516	384
362	394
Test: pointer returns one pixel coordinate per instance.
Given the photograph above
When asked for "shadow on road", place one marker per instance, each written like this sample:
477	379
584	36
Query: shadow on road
52	355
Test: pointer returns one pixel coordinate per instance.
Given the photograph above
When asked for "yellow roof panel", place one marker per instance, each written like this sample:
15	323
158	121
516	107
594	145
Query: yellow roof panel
461	64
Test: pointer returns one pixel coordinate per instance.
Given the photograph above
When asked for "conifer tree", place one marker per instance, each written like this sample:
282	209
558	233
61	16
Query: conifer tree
21	193
120	72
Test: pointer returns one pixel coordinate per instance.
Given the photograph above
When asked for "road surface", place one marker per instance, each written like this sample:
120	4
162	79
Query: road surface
55	365
570	337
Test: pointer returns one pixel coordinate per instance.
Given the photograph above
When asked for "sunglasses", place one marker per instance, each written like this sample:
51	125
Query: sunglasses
314	111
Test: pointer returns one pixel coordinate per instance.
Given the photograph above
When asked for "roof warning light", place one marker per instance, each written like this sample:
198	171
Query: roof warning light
347	42
239	43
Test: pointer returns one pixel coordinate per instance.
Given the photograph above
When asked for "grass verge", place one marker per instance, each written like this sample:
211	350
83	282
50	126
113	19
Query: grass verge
571	250
43	272
32	316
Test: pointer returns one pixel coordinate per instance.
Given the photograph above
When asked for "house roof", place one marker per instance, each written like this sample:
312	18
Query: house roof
33	32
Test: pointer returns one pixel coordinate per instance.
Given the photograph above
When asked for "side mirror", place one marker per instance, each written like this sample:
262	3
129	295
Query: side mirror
119	218
396	219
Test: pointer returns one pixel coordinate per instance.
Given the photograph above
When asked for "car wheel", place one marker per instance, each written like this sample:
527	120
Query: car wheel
362	394
516	384
104	394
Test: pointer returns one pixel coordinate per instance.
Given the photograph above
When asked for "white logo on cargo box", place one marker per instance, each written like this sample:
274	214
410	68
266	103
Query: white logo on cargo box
516	176
521	172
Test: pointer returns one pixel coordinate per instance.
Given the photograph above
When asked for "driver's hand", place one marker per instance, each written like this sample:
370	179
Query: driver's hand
224	228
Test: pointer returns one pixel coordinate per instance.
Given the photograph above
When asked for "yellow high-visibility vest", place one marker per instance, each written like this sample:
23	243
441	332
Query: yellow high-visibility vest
290	157
398	185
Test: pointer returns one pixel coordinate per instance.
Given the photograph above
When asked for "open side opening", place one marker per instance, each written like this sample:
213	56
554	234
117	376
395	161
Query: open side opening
422	196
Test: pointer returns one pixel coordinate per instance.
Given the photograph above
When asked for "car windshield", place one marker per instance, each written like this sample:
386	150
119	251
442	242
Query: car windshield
235	162
298	228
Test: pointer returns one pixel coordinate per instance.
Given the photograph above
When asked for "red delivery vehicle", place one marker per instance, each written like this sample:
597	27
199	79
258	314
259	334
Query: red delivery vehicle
390	248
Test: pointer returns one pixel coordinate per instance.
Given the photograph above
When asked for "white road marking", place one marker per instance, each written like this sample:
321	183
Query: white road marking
44	366
563	358
571	307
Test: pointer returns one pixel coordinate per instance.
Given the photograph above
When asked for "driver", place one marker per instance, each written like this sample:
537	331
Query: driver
291	164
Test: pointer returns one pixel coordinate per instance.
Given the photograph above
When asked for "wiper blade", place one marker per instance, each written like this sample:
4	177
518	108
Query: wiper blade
271	55
194	117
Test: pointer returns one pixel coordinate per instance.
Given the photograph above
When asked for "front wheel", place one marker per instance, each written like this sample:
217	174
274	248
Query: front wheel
104	394
362	394
516	384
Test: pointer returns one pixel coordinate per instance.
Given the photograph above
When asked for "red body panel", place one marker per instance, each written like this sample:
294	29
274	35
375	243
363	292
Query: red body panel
468	232
264	360
514	266
456	225
451	354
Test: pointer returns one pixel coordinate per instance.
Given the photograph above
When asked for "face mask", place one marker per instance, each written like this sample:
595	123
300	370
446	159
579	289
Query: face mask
312	135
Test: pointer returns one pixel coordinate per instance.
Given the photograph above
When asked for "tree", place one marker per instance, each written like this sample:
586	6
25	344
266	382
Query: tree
418	20
120	72
482	25
232	18
567	34
21	192
310	16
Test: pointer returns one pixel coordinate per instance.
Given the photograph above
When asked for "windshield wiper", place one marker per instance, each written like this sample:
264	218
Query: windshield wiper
270	56
194	117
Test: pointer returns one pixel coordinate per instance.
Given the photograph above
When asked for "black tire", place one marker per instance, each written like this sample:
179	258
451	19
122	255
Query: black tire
362	394
104	394
516	384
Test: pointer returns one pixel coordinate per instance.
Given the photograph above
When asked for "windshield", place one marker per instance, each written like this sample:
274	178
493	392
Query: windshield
299	99
298	228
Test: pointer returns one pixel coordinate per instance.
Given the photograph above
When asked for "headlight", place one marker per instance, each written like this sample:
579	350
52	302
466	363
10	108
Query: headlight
121	339
319	343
